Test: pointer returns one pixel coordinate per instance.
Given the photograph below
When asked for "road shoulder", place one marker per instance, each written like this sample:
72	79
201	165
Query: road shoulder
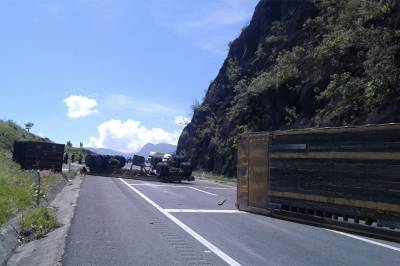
225	183
49	250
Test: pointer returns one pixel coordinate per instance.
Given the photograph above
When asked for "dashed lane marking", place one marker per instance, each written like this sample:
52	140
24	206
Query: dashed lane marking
202	211
225	257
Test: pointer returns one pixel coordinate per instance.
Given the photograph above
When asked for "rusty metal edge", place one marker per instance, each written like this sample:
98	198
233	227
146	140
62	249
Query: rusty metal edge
326	130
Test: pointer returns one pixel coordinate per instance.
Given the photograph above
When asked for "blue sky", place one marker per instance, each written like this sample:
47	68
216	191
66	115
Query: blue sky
112	73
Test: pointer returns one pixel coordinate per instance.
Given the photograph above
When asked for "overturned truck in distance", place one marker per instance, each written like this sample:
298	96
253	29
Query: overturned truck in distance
171	168
345	177
104	163
167	167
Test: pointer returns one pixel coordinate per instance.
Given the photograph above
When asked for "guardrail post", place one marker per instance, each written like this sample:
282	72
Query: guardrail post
36	179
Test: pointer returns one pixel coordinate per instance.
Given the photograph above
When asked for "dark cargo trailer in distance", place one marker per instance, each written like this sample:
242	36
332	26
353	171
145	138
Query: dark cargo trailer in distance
39	155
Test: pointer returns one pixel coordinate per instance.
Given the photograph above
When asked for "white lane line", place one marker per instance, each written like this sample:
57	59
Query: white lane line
186	228
153	185
365	240
156	185
219	187
202	211
137	184
203	191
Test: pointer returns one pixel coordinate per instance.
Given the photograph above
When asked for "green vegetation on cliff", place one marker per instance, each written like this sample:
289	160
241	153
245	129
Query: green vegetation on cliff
300	64
10	132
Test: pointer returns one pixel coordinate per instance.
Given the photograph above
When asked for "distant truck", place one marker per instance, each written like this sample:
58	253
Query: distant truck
170	168
155	157
104	163
39	155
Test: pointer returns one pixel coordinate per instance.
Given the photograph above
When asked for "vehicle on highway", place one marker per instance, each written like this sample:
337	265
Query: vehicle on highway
340	177
170	168
104	163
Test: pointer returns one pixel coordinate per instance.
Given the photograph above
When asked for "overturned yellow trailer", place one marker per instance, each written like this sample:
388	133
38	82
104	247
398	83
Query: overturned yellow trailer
343	177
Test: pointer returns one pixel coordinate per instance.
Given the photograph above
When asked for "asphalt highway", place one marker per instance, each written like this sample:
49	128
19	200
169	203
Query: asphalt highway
134	222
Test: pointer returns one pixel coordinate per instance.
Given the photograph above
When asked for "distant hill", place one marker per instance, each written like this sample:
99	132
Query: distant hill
161	147
104	151
10	132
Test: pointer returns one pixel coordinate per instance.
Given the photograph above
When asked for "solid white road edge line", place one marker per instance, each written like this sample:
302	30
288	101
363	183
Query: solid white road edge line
202	211
154	185
186	228
209	193
220	187
365	240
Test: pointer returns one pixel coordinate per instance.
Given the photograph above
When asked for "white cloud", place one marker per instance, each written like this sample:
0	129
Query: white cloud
80	106
181	120
130	136
120	102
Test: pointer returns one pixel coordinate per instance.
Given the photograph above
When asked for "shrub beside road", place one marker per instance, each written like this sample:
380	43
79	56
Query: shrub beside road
37	222
17	193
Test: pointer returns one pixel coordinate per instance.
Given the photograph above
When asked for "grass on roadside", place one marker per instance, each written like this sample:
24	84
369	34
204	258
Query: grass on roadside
16	187
17	193
49	179
38	222
213	177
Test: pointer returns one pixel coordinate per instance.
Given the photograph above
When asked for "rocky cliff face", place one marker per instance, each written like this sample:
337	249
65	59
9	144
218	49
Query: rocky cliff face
299	64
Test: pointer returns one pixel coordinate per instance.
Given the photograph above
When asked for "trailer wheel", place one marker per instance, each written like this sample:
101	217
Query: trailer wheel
114	163
99	161
187	169
162	170
89	160
121	161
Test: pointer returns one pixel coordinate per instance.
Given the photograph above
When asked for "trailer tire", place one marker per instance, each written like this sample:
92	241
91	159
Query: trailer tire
162	170
99	162
121	160
187	169
114	162
89	160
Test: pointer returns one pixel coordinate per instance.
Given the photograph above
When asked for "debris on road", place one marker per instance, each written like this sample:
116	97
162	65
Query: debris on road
222	202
